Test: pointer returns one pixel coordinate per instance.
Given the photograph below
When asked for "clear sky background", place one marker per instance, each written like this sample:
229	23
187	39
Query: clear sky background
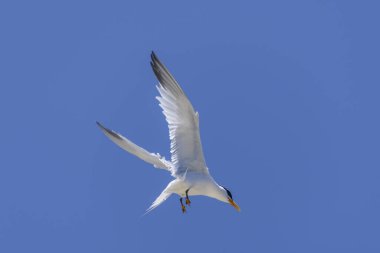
288	96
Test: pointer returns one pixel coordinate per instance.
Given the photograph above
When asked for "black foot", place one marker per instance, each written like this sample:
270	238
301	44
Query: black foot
188	202
182	206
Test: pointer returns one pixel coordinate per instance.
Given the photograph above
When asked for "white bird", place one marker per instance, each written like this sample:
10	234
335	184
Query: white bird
187	163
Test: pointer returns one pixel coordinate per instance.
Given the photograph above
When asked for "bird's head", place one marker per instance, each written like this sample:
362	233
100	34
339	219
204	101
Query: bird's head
229	199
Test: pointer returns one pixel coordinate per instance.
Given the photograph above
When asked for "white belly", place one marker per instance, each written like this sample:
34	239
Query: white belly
197	184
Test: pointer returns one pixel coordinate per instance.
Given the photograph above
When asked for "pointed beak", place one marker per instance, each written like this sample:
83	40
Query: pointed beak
234	204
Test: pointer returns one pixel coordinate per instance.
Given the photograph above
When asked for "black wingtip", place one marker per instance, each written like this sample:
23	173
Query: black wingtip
108	131
155	59
101	126
153	56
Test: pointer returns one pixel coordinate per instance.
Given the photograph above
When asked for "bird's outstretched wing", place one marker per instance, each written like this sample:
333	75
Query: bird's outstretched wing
183	121
127	145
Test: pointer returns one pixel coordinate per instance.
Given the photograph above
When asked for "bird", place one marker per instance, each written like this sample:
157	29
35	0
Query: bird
187	165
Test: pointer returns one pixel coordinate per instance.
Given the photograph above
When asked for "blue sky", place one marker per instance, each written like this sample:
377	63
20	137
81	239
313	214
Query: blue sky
288	96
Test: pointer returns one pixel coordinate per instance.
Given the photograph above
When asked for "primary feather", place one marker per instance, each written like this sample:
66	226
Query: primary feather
183	122
155	159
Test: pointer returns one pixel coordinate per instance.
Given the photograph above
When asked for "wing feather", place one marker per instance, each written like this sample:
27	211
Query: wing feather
185	145
127	145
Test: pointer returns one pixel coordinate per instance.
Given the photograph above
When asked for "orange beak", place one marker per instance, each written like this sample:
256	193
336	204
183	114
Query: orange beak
234	204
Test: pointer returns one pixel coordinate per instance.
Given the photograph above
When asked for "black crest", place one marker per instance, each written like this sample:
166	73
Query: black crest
228	192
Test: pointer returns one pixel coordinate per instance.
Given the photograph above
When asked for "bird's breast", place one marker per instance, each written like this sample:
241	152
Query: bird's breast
201	186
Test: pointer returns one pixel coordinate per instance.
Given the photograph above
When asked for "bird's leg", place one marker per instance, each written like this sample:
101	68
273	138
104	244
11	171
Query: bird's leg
182	206
187	197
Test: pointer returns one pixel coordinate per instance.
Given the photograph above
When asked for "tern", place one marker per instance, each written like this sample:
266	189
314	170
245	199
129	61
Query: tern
187	165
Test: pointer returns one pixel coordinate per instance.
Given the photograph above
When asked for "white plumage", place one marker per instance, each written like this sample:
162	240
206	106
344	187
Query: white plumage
187	163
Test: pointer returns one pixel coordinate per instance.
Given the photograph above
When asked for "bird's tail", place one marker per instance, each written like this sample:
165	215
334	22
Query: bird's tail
159	200
165	194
